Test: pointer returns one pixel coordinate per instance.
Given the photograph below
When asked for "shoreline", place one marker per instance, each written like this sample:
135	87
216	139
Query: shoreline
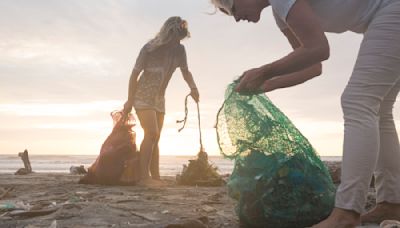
169	165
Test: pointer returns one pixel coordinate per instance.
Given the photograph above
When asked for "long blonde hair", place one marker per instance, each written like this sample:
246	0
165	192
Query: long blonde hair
174	28
223	5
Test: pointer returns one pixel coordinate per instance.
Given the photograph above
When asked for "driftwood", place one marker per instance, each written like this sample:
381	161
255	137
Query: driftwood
201	222
147	217
5	192
27	164
33	213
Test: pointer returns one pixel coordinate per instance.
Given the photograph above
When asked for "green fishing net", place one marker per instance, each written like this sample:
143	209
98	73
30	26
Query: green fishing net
278	179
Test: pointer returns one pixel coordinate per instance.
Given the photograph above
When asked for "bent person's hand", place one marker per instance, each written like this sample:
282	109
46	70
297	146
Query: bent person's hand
195	94
268	86
250	81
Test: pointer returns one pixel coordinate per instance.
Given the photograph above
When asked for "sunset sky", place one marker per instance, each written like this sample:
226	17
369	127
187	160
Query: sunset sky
65	65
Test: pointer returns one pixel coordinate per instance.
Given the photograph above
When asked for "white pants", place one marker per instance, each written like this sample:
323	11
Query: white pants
371	143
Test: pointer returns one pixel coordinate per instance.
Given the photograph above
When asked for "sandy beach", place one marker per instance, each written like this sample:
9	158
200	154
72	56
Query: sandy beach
56	200
74	205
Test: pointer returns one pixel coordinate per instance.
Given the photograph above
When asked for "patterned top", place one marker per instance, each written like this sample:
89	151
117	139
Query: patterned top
158	67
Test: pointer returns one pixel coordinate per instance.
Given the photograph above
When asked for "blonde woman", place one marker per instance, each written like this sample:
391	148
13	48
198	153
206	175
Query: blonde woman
371	143
157	61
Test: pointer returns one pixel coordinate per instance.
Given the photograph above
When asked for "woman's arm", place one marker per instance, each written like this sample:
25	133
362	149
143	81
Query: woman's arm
292	79
295	78
133	84
313	48
187	75
139	67
131	90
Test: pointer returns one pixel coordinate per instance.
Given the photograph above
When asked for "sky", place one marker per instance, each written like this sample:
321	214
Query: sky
65	65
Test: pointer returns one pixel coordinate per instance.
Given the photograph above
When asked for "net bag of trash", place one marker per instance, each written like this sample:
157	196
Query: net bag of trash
278	179
118	162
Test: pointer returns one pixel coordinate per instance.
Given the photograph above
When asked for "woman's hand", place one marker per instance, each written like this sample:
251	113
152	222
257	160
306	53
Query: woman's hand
252	79
128	107
194	92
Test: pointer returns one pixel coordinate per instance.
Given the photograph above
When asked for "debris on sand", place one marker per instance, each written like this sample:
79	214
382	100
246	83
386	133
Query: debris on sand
5	191
77	170
200	172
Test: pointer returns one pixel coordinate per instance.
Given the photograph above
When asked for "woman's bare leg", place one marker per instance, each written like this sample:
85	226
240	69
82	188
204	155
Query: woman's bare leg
148	121
155	158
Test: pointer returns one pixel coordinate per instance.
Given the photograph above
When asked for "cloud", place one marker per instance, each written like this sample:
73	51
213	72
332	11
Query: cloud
64	65
57	110
87	126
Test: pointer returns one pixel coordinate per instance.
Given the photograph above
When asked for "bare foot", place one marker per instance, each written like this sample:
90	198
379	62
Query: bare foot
340	218
157	178
150	183
382	211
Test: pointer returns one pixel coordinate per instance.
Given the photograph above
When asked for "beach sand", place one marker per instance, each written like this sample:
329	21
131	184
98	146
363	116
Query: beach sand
60	202
79	205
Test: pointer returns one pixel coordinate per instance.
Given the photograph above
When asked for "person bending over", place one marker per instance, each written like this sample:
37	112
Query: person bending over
371	143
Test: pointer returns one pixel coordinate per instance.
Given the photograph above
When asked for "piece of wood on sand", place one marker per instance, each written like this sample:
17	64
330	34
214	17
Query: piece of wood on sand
27	164
32	213
5	192
147	217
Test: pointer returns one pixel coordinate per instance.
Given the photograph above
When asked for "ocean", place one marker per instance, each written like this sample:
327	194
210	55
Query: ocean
169	165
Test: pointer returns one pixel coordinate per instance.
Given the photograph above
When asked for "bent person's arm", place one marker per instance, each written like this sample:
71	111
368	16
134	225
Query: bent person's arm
313	46
292	79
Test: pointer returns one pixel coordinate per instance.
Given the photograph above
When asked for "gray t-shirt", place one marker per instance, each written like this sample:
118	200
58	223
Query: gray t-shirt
336	16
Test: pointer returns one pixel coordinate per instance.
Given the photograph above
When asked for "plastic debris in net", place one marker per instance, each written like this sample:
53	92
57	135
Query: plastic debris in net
278	179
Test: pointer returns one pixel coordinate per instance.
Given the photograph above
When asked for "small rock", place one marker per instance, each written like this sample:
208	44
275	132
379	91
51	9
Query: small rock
203	219
76	170
335	170
190	223
208	209
81	193
390	224
53	224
